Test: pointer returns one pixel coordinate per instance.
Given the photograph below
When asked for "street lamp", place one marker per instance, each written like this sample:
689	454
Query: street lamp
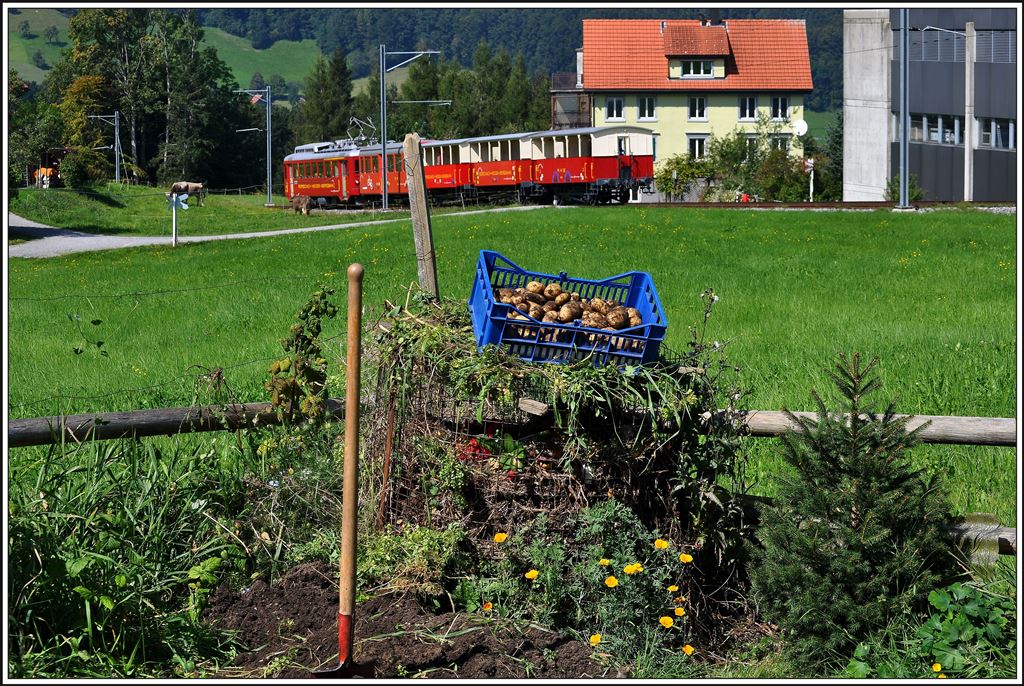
384	69
258	93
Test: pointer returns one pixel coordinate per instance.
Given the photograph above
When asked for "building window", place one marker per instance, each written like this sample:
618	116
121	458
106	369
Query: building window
916	129
698	146
613	109
748	108
698	108
646	108
780	142
751	145
780	107
698	68
997	133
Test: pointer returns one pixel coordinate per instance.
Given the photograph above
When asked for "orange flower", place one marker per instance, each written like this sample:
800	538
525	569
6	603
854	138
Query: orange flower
688	649
500	537
595	639
679	612
661	544
680	600
488	607
611	582
685	558
673	588
666	622
532	574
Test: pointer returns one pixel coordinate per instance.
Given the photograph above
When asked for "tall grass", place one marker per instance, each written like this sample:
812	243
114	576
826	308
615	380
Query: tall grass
931	294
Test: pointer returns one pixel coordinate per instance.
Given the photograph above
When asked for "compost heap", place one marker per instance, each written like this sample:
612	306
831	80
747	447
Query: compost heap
485	443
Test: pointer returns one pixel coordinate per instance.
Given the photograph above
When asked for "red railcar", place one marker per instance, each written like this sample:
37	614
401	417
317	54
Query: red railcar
589	165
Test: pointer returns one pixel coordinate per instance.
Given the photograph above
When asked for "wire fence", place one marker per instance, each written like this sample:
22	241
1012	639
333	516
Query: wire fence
260	188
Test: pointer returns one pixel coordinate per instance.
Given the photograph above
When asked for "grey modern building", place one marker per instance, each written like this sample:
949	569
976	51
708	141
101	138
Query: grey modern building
956	103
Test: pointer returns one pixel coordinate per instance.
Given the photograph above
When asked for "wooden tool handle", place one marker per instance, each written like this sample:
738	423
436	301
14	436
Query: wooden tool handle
350	487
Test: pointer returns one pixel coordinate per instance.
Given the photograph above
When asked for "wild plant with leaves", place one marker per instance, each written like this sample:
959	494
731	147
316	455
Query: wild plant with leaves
857	535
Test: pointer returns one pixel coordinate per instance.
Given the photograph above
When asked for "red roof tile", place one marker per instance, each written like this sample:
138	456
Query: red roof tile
693	39
629	54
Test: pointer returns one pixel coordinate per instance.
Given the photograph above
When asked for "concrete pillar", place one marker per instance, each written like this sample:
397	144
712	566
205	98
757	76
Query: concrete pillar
969	114
867	104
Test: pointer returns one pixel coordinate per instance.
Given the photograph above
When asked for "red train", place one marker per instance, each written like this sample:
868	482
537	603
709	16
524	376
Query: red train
589	165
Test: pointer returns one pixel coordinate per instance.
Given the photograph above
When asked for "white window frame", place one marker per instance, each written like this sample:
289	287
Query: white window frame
784	138
739	108
608	108
751	139
692	138
776	101
686	69
640	102
704	108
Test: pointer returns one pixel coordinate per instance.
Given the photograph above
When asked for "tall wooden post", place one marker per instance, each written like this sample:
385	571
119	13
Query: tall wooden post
416	182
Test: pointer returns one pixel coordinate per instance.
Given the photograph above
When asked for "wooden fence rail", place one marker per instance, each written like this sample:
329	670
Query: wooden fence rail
992	431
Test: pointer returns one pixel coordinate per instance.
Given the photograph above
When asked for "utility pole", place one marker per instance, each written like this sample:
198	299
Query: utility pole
970	52
257	94
114	119
969	58
904	106
384	69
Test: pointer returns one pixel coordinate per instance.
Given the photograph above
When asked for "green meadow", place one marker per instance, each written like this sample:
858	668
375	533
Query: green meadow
932	294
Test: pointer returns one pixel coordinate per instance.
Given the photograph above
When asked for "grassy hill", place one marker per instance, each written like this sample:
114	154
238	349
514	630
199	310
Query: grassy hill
20	48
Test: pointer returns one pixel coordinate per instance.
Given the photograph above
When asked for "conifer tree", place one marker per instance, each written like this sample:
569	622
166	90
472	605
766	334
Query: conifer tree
858	535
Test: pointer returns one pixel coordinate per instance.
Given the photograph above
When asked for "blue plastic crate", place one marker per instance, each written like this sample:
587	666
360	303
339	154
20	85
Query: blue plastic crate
536	341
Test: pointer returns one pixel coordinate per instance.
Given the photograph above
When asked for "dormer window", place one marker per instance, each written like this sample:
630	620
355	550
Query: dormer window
698	68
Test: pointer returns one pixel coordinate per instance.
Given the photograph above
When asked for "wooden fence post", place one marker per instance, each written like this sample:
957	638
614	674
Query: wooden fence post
416	182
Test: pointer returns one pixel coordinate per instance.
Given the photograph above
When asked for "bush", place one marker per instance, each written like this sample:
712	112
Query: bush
914	192
83	167
857	537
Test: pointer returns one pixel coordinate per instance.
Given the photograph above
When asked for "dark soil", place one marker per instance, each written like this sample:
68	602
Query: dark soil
291	628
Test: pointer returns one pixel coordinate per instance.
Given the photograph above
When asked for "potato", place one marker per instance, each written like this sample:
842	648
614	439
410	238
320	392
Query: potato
618	318
562	298
505	292
635	319
515	299
550	306
535	287
550	316
534	297
536	311
552	291
598	320
523	306
568	312
598	305
575	296
514	314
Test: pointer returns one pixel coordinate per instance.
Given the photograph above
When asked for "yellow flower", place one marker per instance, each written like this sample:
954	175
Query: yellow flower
936	667
942	676
666	622
604	562
488	607
688	649
661	544
595	639
679	612
532	574
500	537
673	588
611	582
685	558
633	568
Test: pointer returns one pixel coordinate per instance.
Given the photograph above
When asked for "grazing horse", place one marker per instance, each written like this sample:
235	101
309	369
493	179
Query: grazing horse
191	187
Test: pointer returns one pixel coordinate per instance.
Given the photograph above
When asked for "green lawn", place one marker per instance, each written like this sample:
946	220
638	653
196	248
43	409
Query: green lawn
932	294
143	211
20	49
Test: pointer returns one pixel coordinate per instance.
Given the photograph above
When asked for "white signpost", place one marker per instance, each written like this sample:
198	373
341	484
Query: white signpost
809	168
176	201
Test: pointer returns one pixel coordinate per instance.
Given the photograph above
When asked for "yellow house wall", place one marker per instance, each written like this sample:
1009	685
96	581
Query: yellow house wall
672	123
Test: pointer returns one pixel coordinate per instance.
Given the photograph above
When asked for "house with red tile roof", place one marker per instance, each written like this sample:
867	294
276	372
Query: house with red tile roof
690	79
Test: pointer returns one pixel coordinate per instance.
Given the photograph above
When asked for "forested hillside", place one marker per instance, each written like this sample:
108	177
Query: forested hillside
546	38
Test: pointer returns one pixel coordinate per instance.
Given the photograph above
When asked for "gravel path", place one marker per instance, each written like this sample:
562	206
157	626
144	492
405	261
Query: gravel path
48	241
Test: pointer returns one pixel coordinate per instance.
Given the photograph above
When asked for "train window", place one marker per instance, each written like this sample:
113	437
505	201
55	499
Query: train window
623	142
